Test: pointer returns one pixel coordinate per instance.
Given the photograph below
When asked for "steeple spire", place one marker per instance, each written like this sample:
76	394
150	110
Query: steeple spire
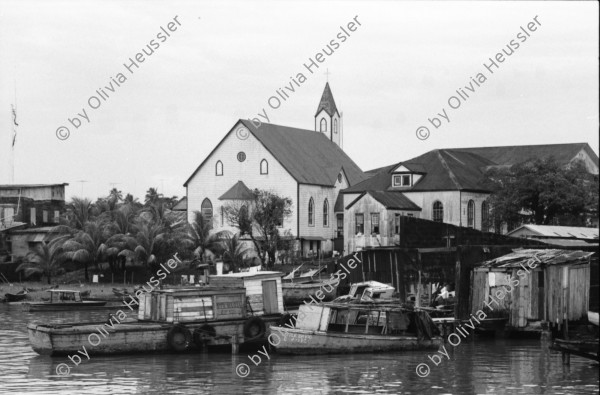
327	118
327	103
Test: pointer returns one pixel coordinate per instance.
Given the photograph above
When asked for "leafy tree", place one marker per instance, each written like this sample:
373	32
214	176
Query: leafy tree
539	191
261	220
46	259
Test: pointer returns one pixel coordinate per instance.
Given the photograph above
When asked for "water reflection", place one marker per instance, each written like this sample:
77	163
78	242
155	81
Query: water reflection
482	366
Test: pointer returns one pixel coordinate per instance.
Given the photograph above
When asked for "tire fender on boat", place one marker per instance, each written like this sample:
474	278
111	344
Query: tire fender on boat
201	334
254	328
179	338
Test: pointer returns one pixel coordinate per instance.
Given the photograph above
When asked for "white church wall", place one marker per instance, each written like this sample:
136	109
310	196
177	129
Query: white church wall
205	184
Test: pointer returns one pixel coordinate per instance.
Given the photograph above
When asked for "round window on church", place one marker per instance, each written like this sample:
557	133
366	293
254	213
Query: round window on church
340	177
241	156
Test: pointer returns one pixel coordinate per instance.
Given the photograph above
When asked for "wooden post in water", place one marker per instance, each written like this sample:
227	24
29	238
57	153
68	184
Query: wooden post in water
124	277
418	301
235	345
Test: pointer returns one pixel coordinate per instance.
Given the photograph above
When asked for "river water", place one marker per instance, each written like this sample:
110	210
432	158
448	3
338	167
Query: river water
479	366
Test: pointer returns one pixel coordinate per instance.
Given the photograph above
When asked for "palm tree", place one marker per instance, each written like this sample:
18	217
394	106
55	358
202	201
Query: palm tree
152	196
115	194
79	211
235	251
129	200
202	238
46	259
87	245
150	240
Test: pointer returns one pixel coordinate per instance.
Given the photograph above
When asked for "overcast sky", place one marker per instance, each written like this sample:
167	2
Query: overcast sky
226	60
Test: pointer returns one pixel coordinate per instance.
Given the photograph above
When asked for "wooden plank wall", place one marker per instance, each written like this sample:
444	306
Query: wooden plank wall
579	287
192	308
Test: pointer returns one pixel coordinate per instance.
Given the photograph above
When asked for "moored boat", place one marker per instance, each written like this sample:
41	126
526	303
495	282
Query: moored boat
19	296
63	300
168	320
358	327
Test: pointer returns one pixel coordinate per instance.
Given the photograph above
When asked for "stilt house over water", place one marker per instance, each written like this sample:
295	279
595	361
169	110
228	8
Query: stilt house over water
552	284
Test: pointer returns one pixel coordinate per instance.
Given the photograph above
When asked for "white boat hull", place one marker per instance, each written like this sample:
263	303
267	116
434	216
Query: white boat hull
593	317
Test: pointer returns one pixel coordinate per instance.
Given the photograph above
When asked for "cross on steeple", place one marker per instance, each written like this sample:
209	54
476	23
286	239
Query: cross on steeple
327	74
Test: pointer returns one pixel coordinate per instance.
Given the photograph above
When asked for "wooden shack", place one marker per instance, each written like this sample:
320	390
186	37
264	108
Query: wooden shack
535	286
263	290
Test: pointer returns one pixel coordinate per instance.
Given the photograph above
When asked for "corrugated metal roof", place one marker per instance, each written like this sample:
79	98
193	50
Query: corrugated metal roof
559	231
520	257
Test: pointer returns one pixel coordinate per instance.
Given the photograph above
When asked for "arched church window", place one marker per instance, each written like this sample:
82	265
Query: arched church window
335	126
471	214
326	213
323	125
264	167
438	211
311	212
219	168
207	209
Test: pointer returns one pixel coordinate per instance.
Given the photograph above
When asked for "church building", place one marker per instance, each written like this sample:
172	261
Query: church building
307	166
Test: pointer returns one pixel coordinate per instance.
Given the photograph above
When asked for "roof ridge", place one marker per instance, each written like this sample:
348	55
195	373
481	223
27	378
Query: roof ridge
446	166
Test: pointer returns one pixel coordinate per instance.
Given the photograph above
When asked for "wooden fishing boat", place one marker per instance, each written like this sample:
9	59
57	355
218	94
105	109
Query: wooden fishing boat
63	300
586	348
175	320
19	296
357	327
296	293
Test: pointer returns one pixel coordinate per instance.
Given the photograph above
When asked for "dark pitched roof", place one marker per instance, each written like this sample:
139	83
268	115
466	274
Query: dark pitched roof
390	200
181	205
510	155
239	191
327	103
463	168
394	200
310	157
444	170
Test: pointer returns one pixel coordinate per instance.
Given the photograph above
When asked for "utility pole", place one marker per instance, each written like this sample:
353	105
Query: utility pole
81	181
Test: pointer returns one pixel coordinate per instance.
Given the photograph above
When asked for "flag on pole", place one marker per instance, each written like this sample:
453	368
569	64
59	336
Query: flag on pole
14	114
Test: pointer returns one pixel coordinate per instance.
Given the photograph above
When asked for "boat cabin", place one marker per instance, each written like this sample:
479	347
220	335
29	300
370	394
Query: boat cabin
197	304
263	290
357	318
64	296
371	289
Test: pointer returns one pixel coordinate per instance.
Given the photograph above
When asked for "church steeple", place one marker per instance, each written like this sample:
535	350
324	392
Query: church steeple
327	117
